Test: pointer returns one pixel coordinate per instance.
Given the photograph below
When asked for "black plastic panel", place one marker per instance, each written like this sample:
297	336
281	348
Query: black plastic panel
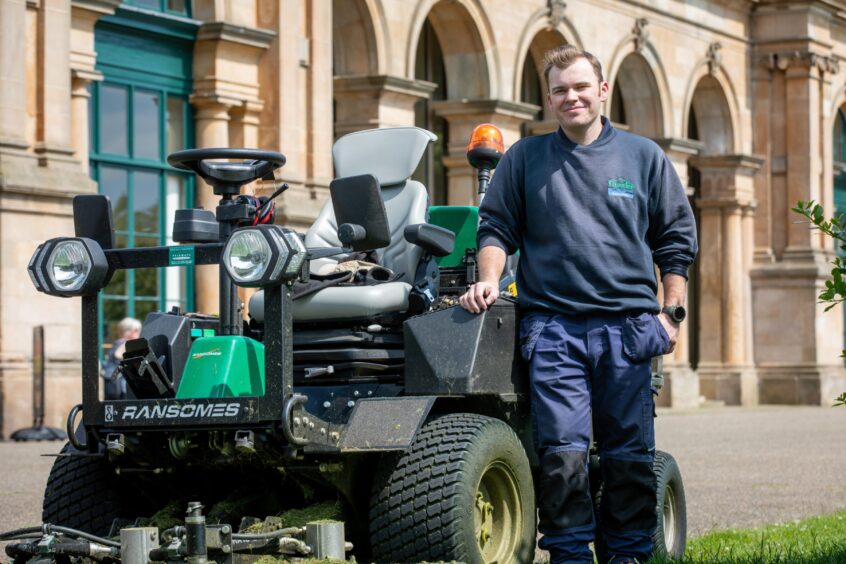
453	352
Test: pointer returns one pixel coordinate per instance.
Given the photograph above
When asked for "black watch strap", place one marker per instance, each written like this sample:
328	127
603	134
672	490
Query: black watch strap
675	312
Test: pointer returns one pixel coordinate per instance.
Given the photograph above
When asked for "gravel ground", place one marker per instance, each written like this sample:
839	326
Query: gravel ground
741	467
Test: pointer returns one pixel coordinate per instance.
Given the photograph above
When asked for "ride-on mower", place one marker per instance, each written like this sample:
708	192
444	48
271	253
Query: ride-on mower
354	379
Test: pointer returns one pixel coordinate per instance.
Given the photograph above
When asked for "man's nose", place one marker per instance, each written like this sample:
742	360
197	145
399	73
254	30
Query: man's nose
571	94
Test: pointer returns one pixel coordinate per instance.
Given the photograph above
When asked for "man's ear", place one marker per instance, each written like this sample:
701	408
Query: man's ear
603	91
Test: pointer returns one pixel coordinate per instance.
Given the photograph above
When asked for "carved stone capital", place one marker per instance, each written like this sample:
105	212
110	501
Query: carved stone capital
829	64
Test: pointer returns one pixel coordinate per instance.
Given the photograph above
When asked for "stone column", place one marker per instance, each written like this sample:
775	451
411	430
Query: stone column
366	102
464	115
13	74
54	102
211	122
725	358
681	383
83	60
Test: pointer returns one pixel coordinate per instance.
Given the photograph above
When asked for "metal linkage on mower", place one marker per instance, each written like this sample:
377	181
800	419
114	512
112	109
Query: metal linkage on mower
195	542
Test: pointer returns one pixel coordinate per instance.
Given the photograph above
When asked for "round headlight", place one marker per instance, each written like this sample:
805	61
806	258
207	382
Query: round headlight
69	265
247	256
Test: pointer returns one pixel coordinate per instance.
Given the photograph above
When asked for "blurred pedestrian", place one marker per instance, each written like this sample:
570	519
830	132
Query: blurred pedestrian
128	328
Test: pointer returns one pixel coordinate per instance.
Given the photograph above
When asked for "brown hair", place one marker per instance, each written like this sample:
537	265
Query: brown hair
565	55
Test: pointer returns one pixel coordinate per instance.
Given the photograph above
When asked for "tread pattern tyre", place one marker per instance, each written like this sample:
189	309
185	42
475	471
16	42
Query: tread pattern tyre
670	537
670	509
82	493
425	504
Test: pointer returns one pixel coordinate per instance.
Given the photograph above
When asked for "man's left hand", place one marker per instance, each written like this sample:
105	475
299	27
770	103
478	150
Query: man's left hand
672	329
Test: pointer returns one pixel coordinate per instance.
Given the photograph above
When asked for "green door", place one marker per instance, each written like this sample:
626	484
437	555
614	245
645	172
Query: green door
839	157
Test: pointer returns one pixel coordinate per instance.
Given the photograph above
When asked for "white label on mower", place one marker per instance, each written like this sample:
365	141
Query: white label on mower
190	411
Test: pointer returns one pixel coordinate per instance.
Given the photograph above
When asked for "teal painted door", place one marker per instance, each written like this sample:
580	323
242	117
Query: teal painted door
139	114
839	155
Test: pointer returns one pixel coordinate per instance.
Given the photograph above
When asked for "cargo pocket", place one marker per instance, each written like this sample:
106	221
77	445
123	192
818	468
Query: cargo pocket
530	330
647	431
643	337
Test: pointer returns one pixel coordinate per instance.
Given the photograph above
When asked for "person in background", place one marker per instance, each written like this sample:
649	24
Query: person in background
128	328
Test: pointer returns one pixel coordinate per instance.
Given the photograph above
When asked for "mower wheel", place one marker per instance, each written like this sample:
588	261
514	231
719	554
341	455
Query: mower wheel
670	535
462	492
83	493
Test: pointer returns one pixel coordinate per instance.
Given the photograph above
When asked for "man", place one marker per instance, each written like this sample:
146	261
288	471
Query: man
115	388
591	209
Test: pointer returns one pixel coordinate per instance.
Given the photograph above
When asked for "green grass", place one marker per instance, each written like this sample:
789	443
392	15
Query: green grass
818	540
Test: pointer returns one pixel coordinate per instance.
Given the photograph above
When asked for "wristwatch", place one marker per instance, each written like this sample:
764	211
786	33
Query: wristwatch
675	312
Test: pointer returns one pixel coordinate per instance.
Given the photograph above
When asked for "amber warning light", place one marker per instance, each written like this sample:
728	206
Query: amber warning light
484	151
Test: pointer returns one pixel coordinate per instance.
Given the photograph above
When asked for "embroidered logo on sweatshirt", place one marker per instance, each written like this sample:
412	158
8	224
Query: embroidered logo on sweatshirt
621	187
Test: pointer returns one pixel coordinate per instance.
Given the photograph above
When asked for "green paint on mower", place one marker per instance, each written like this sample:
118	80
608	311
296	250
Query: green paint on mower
223	367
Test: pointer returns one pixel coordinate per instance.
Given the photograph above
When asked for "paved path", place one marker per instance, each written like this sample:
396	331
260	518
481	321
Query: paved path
741	467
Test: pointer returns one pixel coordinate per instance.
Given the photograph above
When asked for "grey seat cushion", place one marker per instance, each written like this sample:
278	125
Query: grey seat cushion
340	303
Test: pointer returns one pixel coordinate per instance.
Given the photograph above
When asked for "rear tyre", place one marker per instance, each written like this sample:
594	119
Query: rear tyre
462	492
84	493
670	537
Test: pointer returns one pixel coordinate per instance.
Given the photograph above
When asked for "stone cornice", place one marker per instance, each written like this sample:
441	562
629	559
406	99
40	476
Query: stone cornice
744	163
100	6
680	145
390	83
224	31
519	110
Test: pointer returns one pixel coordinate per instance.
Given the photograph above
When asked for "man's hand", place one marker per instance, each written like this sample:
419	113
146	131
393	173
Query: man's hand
479	296
672	329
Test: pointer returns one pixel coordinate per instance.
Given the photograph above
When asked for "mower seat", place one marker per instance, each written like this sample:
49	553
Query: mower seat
391	155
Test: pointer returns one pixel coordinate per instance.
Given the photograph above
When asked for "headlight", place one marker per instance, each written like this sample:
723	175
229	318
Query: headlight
263	255
247	256
68	267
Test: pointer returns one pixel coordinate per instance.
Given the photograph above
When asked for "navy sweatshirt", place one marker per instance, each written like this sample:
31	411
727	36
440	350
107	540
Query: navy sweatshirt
590	221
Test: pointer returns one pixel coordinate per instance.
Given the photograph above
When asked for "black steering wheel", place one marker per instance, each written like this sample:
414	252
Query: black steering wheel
226	178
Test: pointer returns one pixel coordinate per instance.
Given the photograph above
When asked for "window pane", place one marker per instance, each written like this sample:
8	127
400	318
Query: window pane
175	124
113	183
146	202
145	132
113	312
176	6
117	285
151	4
147	282
143	307
113	122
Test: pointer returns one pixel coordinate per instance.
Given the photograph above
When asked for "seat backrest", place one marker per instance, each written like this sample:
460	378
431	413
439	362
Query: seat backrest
391	155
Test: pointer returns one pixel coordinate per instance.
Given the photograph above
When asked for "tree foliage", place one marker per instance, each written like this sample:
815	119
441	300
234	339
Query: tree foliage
834	227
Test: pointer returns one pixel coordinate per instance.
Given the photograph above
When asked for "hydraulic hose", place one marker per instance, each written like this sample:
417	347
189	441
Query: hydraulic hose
270	535
48	528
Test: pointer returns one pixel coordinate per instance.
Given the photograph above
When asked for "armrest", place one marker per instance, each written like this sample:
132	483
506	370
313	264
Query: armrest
437	241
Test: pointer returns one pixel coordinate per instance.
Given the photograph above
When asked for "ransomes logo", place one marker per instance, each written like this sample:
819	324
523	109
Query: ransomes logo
213	352
621	187
189	411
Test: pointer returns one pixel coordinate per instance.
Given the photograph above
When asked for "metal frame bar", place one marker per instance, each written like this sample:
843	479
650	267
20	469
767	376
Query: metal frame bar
255	411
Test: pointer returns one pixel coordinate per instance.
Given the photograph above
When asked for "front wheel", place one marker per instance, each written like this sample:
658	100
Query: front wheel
463	491
670	535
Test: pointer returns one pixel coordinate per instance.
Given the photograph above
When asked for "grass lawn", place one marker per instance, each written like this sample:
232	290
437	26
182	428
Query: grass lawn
816	540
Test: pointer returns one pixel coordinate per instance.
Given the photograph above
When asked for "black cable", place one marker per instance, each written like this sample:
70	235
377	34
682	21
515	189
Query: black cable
48	528
17	532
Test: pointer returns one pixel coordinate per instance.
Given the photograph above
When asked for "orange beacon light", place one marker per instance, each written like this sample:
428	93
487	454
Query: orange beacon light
484	151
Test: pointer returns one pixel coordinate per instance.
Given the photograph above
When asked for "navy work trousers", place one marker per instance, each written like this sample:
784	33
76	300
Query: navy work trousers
594	373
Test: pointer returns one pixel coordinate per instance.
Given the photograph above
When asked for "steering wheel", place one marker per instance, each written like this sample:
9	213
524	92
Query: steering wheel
226	178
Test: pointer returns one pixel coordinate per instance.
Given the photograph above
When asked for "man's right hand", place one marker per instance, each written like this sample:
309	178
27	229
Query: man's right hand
479	296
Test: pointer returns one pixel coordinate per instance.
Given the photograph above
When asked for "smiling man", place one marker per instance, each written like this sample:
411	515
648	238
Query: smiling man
591	209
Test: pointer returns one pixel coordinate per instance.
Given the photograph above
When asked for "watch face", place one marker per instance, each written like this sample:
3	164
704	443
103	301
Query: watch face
679	313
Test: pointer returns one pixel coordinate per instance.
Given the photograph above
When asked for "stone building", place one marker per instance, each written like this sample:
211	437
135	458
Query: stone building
744	96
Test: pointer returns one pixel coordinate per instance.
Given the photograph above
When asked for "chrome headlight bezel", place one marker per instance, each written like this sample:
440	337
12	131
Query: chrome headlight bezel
287	254
41	264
